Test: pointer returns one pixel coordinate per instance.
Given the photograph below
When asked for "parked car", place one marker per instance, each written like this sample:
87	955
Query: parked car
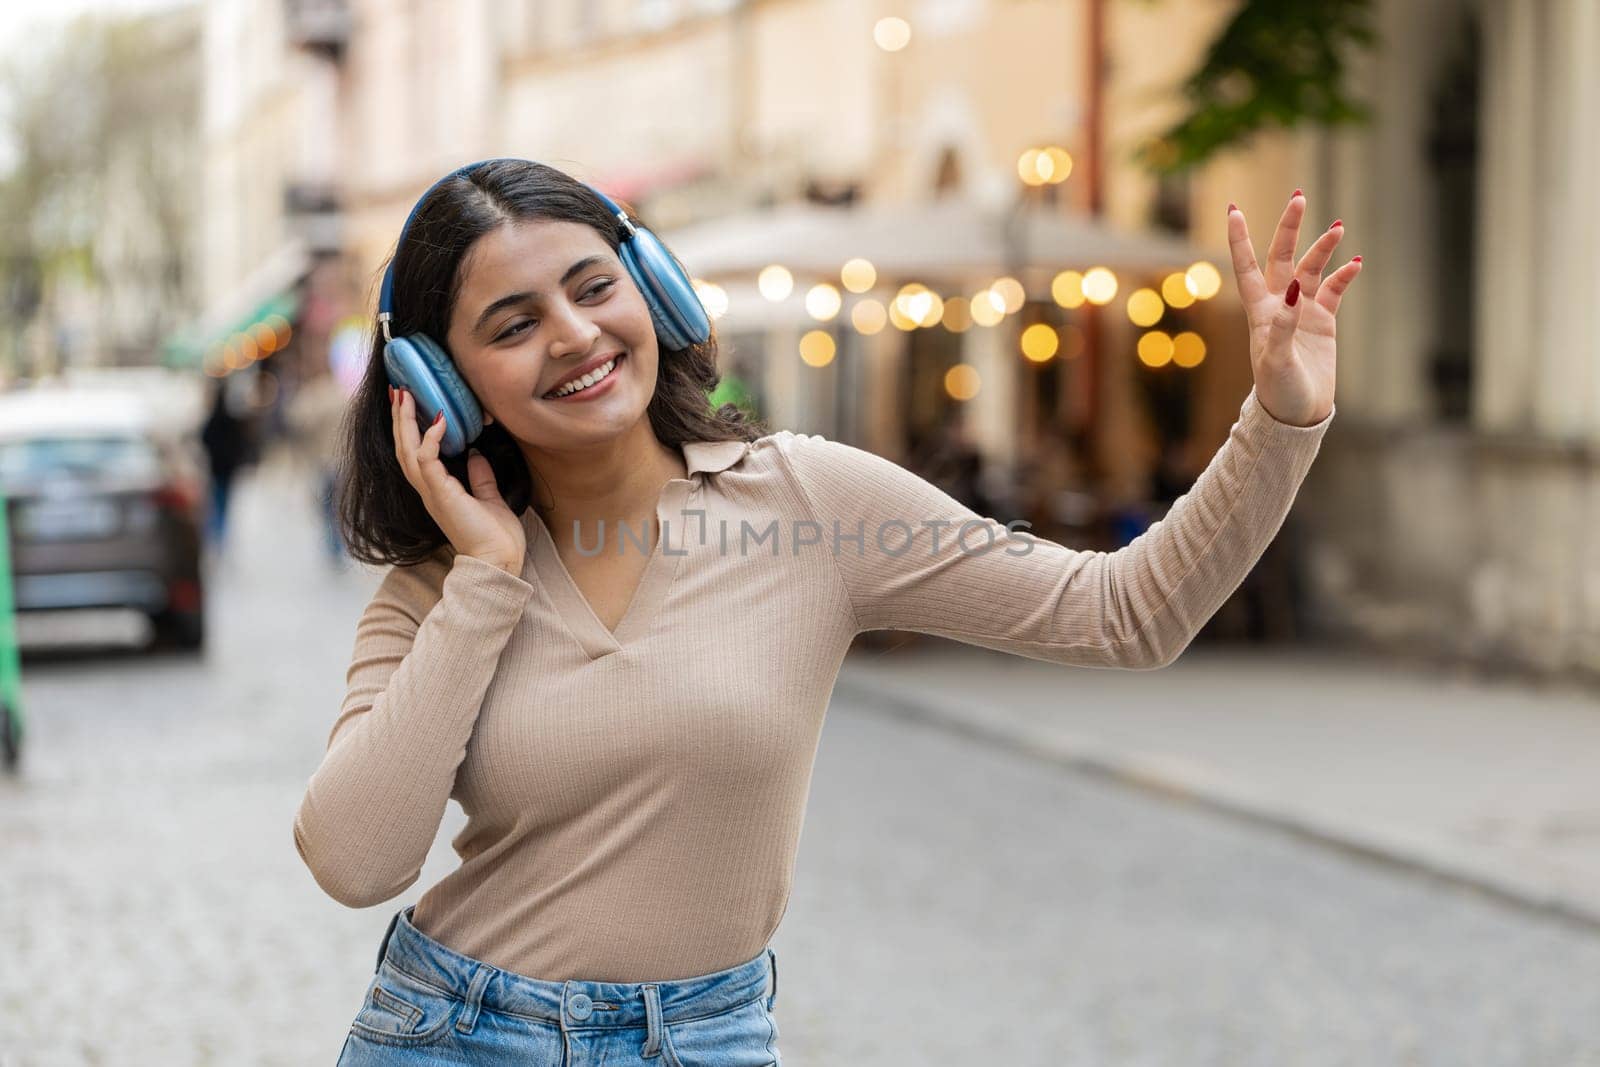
104	508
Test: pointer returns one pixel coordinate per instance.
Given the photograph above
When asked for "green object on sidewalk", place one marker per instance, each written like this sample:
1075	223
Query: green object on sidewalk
11	721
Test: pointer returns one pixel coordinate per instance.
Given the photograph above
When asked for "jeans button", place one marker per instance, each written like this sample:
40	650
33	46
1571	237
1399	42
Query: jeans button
580	1006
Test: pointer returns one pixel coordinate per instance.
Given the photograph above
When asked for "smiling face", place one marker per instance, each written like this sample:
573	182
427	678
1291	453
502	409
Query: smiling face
539	302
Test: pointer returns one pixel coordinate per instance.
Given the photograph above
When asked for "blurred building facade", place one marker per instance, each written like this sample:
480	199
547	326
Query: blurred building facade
1450	509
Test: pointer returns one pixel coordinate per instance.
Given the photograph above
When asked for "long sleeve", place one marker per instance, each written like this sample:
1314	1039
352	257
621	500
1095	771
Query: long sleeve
918	568
424	655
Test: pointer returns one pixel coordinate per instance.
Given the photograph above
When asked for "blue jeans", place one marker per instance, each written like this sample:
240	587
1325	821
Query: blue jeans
428	1004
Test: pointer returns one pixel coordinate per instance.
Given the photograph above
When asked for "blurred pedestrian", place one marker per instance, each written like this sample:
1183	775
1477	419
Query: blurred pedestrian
225	436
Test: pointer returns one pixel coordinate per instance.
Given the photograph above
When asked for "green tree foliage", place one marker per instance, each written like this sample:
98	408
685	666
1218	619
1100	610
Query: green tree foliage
1278	63
98	119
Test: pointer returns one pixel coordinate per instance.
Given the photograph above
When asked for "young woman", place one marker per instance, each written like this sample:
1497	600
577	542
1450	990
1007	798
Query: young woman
611	629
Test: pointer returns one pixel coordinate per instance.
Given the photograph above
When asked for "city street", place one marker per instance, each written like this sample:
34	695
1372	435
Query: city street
955	902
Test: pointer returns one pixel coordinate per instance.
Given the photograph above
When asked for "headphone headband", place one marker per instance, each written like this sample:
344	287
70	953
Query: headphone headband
386	292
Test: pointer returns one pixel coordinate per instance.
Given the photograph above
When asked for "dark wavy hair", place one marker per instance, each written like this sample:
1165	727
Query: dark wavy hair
381	517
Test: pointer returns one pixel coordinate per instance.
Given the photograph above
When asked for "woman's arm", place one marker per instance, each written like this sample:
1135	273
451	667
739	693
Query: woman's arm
1138	607
424	656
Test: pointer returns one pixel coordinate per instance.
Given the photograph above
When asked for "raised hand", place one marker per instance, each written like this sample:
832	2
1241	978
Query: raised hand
1291	310
479	523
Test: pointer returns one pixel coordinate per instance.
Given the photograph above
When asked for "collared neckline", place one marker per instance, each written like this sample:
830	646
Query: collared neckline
699	457
712	457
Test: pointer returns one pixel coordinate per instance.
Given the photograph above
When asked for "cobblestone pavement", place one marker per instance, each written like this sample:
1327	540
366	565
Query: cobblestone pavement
955	903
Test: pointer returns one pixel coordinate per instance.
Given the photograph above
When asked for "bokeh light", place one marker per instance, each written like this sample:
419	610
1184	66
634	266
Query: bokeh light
1011	293
775	283
1204	280
962	382
1040	342
858	275
1145	307
987	308
898	317
713	297
1067	289
892	34
1188	349
1099	286
823	302
817	348
266	337
919	305
1155	349
1175	290
1061	164
868	317
957	314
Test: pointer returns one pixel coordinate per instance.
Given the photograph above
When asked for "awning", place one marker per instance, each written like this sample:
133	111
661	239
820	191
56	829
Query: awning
275	313
942	241
270	294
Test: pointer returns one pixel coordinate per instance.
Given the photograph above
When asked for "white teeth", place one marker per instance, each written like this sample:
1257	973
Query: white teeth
587	380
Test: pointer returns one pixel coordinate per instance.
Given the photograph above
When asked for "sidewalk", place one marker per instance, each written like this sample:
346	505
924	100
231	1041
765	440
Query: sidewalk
1492	784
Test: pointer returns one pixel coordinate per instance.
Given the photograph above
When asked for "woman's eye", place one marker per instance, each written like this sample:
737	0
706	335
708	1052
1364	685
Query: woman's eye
513	331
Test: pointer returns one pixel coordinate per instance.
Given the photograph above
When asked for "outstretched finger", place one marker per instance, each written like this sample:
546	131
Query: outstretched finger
1252	286
1280	254
1335	285
1315	261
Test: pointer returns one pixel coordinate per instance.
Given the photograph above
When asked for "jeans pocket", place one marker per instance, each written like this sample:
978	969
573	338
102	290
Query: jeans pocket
738	1037
401	1010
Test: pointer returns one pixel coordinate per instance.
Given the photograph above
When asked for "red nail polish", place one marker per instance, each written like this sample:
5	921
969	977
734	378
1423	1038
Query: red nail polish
1293	294
1296	193
1337	222
1232	207
437	418
1356	260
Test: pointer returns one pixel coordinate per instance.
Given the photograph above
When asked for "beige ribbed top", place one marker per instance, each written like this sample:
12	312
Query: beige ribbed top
635	799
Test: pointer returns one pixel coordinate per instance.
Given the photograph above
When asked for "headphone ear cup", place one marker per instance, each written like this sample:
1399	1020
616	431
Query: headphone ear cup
417	362
680	318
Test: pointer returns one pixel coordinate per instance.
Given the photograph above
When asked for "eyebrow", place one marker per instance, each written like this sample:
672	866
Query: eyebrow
517	298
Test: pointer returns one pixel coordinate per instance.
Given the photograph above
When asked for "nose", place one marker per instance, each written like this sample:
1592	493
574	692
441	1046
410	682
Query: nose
575	334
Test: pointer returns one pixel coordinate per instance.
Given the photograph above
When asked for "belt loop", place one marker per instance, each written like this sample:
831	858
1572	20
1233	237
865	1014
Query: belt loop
469	1015
383	946
652	1017
772	962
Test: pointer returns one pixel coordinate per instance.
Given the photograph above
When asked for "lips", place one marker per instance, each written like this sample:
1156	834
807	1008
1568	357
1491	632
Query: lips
578	372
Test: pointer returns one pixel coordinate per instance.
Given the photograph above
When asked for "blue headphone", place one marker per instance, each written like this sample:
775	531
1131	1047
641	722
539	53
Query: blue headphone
420	364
